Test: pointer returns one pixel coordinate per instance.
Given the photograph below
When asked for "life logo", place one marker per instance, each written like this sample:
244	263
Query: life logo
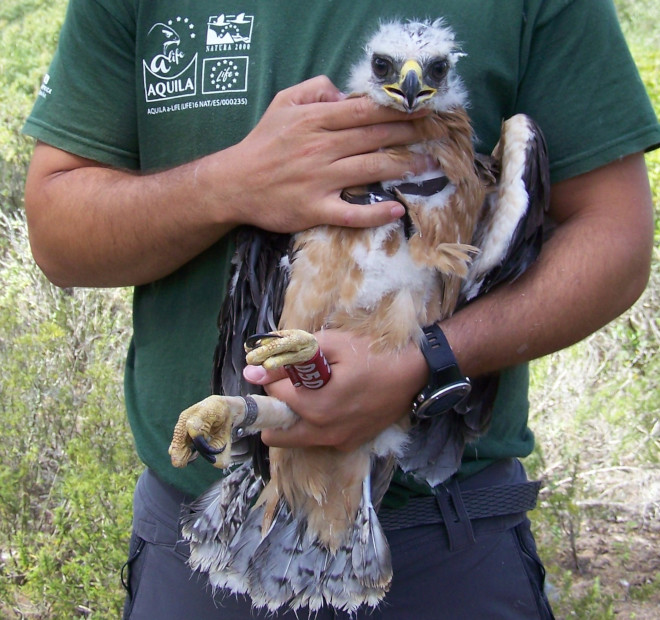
170	62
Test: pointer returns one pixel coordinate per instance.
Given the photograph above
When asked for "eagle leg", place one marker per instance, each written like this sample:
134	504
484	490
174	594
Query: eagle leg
208	426
280	348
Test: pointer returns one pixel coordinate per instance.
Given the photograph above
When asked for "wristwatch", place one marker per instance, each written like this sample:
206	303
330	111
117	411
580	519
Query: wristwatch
447	387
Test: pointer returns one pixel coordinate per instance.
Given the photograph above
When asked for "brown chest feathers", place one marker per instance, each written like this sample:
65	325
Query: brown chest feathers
376	282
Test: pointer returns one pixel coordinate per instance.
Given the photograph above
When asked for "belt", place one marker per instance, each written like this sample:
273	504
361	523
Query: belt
457	509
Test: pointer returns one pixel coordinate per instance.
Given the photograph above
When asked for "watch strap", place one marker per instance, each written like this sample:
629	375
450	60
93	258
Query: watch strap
436	349
447	386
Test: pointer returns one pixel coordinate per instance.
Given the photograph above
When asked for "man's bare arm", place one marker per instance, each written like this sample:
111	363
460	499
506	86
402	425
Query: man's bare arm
593	268
91	225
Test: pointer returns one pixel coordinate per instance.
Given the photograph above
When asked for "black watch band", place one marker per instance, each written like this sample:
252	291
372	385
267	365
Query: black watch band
447	386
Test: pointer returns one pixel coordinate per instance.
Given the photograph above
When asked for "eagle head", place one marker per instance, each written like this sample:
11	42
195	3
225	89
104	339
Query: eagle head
410	66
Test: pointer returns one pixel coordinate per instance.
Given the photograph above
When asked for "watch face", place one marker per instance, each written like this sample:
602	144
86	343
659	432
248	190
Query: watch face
443	399
447	386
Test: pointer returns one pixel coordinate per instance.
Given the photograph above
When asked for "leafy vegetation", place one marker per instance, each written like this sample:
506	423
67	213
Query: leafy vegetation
67	464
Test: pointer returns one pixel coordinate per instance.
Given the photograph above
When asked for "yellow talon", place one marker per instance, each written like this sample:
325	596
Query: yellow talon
280	348
210	419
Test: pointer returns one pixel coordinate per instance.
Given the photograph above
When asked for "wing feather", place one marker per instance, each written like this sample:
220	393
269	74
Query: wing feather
510	231
509	236
252	305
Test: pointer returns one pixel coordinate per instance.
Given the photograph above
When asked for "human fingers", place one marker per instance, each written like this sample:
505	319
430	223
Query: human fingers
368	392
362	171
305	434
315	90
361	111
348	126
370	138
338	212
377	166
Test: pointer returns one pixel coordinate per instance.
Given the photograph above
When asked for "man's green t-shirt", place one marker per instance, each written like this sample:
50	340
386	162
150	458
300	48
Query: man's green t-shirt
146	85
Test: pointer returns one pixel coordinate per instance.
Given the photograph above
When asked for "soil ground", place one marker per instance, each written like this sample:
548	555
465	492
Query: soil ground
624	556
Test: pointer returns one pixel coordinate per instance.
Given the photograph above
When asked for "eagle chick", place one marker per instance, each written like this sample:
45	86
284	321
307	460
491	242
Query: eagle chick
310	536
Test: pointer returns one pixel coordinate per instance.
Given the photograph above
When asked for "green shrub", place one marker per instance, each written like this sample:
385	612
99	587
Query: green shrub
67	463
596	414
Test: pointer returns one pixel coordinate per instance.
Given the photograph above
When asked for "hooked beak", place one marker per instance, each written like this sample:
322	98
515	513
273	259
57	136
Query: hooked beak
410	90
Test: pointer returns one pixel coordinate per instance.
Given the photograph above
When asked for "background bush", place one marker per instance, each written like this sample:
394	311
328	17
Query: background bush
596	414
67	464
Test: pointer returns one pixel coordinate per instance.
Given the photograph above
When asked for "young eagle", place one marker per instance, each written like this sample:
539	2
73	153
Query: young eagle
310	535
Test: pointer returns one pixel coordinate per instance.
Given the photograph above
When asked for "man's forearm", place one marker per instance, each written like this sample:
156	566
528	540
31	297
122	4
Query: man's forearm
104	227
591	270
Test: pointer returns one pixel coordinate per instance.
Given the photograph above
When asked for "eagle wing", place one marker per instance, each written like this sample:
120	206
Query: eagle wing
509	236
509	233
253	305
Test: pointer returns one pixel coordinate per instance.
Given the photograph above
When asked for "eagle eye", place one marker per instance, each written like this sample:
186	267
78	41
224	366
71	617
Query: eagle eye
381	66
437	71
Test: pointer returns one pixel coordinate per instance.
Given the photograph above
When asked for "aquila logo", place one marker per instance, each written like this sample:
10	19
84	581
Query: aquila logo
229	32
170	67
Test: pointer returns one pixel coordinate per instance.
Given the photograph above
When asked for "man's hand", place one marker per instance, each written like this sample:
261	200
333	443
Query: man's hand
91	225
367	393
311	143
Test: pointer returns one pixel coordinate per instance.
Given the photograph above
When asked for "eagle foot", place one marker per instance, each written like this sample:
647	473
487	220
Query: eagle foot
206	428
281	348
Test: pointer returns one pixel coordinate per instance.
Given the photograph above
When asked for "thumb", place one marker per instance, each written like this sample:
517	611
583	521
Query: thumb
315	90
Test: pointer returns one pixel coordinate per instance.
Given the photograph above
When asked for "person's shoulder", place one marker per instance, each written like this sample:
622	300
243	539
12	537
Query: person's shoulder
543	12
123	11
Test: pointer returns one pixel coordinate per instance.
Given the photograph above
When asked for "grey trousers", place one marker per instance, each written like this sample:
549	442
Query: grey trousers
497	576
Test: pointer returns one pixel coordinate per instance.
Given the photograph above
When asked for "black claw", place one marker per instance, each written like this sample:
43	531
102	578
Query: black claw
253	341
205	449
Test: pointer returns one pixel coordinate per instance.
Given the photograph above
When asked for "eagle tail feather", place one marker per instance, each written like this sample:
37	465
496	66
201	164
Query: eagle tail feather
213	519
287	565
371	553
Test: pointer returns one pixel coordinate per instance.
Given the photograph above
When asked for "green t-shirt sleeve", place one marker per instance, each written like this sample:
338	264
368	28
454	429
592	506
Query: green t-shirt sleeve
580	83
86	104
